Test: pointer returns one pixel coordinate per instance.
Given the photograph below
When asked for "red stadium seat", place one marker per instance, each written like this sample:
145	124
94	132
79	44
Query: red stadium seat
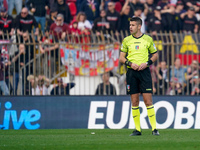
73	9
118	6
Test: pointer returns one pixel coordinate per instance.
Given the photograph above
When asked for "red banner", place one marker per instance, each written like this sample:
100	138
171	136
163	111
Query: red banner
90	60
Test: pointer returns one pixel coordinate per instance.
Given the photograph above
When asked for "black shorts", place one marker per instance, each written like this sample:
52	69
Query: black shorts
139	81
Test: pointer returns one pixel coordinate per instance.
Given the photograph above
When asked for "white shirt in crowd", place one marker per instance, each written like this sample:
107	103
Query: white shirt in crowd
143	28
83	25
40	90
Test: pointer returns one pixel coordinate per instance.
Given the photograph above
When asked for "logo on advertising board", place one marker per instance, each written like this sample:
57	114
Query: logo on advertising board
184	115
97	112
18	118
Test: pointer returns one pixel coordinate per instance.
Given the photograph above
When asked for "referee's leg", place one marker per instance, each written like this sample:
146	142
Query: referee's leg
147	97
136	111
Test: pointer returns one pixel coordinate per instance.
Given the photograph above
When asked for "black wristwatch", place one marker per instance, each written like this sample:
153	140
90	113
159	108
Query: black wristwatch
150	62
128	63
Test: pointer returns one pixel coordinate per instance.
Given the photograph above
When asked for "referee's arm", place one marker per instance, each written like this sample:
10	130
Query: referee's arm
154	57
122	59
148	63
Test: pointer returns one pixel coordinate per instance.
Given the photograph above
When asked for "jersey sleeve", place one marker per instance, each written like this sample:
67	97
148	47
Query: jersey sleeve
124	47
152	48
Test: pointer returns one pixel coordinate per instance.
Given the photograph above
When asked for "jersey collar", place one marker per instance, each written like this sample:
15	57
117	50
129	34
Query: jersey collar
138	37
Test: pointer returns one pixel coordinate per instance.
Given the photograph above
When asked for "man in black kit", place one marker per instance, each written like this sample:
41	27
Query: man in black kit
6	24
25	22
190	23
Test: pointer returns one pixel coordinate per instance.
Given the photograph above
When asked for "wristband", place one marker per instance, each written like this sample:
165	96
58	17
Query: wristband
150	62
128	63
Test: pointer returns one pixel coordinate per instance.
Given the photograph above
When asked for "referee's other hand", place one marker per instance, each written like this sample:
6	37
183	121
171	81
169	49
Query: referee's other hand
142	66
134	66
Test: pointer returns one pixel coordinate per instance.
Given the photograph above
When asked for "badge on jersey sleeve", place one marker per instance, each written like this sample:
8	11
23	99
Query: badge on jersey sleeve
128	88
154	46
122	46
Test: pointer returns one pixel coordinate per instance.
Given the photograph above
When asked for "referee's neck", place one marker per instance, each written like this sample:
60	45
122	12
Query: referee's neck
138	34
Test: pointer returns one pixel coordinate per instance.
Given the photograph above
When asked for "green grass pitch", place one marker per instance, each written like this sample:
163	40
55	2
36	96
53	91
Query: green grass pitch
106	139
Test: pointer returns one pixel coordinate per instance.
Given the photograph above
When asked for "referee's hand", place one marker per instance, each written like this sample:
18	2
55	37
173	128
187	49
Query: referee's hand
142	66
134	66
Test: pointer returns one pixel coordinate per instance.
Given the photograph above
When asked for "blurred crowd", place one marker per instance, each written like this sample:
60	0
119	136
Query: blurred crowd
177	79
83	16
52	21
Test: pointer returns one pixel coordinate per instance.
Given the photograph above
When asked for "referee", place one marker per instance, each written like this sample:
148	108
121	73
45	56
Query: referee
134	54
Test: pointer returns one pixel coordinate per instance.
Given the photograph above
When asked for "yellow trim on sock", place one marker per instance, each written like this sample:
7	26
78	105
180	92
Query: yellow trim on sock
149	107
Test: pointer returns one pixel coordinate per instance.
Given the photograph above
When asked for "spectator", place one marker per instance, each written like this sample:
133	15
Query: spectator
29	48
180	8
46	46
52	3
125	17
33	82
190	23
104	4
139	13
22	67
191	3
168	13
163	76
4	3
177	23
17	4
41	86
39	8
62	89
193	73
5	60
151	6
90	8
177	78
105	88
18	62
113	18
52	19
63	8
59	28
179	71
156	22
74	28
83	24
135	4
154	73
196	86
163	4
29	55
75	32
6	24
122	84
3	86
25	22
101	24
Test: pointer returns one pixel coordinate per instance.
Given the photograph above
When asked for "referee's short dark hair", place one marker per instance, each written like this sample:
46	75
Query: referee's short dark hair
137	19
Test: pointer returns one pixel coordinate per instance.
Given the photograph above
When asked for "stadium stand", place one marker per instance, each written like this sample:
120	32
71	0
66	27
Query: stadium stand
171	41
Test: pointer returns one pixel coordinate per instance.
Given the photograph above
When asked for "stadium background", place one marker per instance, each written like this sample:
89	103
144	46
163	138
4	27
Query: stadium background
87	113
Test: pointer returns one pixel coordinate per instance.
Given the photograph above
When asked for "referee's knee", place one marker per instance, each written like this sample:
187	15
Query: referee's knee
135	102
148	104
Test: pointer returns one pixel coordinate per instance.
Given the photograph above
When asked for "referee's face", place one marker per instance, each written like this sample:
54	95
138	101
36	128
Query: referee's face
134	27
